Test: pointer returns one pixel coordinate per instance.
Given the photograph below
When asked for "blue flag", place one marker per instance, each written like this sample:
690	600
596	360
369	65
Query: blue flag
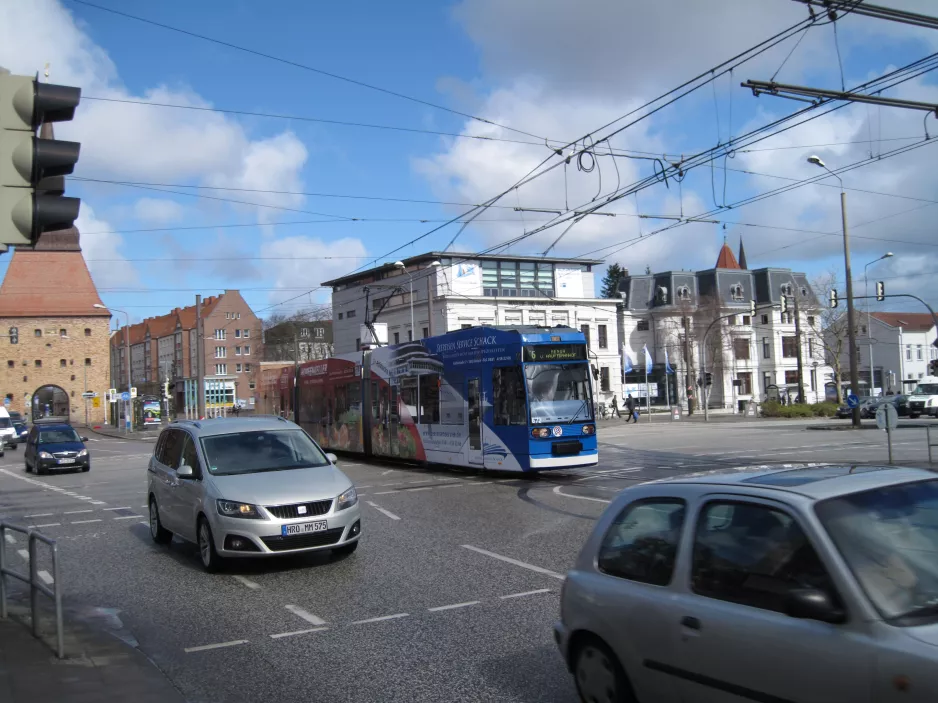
648	362
627	364
667	364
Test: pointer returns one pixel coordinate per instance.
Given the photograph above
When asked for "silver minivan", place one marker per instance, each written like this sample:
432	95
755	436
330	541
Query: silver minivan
249	487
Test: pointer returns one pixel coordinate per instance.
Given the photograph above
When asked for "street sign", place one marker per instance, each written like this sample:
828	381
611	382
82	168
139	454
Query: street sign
6	402
125	396
676	412
886	417
88	394
133	391
852	401
96	402
112	394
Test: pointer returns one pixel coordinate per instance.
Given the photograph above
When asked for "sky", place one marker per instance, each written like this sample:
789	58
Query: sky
444	105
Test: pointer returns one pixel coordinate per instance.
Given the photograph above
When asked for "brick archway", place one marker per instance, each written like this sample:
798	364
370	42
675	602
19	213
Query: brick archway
50	401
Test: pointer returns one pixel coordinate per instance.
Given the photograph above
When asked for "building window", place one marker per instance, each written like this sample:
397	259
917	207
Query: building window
767	381
425	332
63	333
247	333
789	347
238	315
37	333
38	363
766	348
747	320
603	337
251	385
642	326
511	279
811	320
237	334
237	351
810	347
604	378
741	348
62	363
87	331
787	318
220	334
731	320
791	378
397	337
765	319
683	293
736	291
814	380
247	368
410	335
221	352
745	383
918	352
238	368
341	315
11	363
350	314
908	352
462	327
247	350
585	329
358	344
221	369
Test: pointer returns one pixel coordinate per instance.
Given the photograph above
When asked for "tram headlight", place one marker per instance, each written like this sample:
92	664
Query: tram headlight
589	429
540	432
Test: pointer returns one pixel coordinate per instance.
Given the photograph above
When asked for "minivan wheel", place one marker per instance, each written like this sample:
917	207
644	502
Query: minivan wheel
159	533
599	676
210	559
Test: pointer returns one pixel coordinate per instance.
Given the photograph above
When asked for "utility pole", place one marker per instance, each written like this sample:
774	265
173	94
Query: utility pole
86	390
851	312
688	377
200	357
801	394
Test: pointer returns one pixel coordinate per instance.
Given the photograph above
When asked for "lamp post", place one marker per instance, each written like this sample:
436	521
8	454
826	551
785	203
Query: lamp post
400	265
869	326
851	314
127	352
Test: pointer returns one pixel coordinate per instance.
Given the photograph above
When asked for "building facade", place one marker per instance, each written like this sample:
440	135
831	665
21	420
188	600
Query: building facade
298	340
164	349
902	346
48	296
700	324
438	292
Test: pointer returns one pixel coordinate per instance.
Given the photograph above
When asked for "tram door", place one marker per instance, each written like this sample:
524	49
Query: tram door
474	414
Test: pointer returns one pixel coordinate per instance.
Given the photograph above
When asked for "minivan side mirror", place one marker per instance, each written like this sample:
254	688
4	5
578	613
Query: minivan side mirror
813	604
84	439
185	471
332	458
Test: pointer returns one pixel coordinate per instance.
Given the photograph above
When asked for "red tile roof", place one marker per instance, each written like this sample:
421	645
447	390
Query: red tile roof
49	284
909	321
726	260
165	325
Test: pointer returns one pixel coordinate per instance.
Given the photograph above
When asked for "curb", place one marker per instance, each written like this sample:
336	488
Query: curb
135	437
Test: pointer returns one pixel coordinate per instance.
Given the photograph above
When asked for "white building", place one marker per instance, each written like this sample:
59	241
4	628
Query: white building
747	358
464	290
902	349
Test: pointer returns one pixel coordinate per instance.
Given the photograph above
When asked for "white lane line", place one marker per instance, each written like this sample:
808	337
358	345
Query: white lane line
452	485
363	486
452	607
386	493
23	553
525	593
50	524
414	490
386	513
567	495
381	619
298	632
99	502
254	586
206	647
46	577
76	512
84	522
10	538
126	507
516	562
385	473
126	517
40	515
308	617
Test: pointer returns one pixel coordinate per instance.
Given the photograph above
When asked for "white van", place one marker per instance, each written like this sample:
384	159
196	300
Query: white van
7	431
924	399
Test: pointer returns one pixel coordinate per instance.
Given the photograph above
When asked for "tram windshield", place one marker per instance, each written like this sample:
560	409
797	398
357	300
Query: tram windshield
559	392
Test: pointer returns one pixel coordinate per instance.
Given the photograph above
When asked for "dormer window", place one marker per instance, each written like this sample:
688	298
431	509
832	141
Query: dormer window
683	293
736	291
804	292
661	295
786	289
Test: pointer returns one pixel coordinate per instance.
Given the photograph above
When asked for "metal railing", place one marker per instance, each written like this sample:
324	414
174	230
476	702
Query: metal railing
33	581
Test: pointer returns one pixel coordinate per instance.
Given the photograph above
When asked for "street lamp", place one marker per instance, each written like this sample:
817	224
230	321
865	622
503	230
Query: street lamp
851	314
400	265
126	351
869	326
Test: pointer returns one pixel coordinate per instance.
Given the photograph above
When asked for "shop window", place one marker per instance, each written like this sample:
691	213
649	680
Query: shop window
508	390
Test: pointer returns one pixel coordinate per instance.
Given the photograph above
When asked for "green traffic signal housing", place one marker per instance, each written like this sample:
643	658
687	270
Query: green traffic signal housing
32	168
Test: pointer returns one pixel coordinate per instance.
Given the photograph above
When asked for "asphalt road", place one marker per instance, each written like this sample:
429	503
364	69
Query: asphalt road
450	596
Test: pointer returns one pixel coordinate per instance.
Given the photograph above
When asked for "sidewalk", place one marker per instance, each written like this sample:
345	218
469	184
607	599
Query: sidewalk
147	435
98	667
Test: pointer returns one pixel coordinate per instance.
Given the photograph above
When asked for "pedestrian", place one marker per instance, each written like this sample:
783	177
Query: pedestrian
630	406
615	407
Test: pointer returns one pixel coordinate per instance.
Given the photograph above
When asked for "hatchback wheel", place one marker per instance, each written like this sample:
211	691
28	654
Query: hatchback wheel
599	676
159	533
210	559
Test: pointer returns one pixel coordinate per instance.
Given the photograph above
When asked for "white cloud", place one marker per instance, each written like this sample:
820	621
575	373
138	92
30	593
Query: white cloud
304	263
157	211
99	241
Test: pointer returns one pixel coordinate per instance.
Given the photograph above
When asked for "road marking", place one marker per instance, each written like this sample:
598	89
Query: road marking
23	553
509	560
414	490
525	593
363	486
76	512
452	485
45	576
308	617
567	495
385	473
381	619
298	632
50	524
206	647
381	510
84	522
10	538
247	582
126	507
40	515
452	607
99	502
126	517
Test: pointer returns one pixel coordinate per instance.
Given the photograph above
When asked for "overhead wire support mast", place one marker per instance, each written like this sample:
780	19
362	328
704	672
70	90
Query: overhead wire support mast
875	11
797	92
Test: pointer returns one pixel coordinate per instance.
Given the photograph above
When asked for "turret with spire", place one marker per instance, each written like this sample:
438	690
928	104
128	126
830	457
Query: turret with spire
742	254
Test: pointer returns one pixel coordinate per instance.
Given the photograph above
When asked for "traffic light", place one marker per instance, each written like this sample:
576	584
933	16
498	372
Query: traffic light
708	378
833	299
32	168
784	303
752	308
14	335
880	291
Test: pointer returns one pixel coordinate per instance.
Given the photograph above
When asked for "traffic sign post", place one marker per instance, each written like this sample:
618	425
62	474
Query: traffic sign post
852	401
887	419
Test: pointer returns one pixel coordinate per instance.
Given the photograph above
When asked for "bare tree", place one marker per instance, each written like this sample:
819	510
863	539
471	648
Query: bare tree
830	327
285	339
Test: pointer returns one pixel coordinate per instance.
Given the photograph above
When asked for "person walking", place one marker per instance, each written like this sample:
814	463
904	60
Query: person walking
615	407
630	406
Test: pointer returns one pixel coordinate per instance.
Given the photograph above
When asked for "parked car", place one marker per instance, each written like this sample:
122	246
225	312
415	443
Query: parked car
815	583
16	416
249	487
7	433
867	408
20	432
55	446
899	402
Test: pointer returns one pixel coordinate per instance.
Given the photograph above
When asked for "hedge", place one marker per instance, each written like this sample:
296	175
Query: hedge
798	410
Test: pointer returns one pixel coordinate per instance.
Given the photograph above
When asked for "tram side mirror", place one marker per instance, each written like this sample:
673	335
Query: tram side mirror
332	458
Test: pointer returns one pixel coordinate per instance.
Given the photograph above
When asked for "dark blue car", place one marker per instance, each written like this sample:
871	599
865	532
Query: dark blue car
56	446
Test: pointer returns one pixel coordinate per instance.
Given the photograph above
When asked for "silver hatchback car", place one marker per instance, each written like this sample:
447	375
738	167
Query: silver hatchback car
807	584
249	487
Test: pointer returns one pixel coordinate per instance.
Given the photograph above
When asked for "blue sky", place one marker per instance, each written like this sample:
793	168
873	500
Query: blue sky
535	65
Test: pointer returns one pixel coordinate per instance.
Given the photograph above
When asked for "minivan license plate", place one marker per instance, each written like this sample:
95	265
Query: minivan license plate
66	461
304	528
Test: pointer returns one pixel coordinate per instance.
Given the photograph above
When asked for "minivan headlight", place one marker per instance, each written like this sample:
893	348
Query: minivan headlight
45	455
347	499
83	452
230	508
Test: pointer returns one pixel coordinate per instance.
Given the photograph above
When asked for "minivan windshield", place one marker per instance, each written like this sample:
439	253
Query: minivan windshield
58	436
889	538
263	450
926	389
5	422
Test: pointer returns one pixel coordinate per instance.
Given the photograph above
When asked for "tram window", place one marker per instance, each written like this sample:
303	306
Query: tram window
430	399
508	389
408	392
375	407
353	400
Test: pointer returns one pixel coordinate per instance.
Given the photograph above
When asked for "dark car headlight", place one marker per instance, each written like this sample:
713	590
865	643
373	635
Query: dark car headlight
231	508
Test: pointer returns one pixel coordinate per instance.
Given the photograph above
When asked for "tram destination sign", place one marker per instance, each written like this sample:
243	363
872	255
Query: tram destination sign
555	352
